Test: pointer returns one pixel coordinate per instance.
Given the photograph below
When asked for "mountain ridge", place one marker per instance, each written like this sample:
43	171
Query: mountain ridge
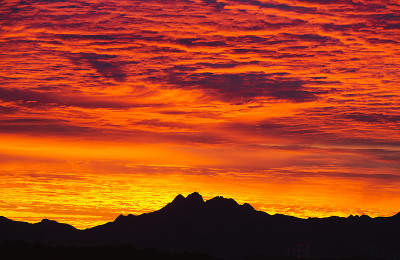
180	198
222	228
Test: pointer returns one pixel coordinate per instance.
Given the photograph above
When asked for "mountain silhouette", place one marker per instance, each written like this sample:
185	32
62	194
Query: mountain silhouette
224	229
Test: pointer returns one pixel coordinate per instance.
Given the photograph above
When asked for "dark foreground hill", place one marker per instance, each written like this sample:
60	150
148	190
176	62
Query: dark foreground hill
224	229
17	250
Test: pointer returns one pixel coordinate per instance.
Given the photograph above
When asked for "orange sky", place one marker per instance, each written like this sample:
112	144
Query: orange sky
110	107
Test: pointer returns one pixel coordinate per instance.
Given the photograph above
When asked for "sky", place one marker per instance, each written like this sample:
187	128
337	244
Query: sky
115	107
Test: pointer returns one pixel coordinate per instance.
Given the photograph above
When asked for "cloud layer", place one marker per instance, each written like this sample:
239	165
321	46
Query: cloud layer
277	94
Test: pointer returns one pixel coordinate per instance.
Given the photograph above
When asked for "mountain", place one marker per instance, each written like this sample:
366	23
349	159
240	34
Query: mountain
224	229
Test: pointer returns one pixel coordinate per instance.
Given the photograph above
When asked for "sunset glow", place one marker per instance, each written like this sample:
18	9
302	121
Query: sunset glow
115	107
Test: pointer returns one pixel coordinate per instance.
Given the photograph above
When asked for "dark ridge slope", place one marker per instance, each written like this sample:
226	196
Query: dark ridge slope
225	229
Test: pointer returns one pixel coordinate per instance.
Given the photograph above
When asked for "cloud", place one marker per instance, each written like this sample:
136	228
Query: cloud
32	120
314	38
8	110
300	131
283	7
163	124
383	177
328	1
214	3
43	127
212	65
108	66
14	94
343	175
372	117
382	154
381	41
32	98
246	86
296	97
55	177
86	37
251	39
199	42
344	27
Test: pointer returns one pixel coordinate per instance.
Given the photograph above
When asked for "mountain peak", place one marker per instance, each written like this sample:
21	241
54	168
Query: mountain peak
192	201
48	222
195	202
178	199
223	201
195	197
